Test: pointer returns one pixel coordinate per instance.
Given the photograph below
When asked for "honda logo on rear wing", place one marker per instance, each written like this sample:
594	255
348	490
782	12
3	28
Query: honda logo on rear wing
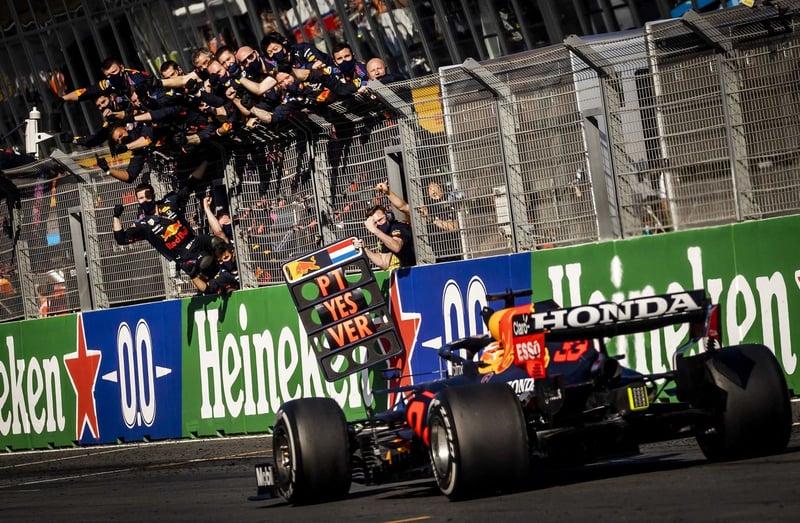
611	319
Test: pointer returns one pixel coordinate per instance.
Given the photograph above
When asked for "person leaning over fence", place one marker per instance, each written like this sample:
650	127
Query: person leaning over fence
162	224
395	241
218	272
137	140
352	70
116	79
376	70
301	56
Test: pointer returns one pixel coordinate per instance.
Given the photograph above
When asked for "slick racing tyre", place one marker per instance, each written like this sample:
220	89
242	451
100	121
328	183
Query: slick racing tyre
479	444
310	445
752	412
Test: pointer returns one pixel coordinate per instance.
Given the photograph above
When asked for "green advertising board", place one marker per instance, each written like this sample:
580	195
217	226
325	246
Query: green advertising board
37	401
242	356
245	355
752	269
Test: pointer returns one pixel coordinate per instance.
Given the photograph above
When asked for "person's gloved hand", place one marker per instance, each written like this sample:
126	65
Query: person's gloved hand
118	210
102	163
192	85
154	82
225	128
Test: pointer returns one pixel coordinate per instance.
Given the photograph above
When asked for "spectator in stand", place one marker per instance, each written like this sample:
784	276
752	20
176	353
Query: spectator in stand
43	300
6	287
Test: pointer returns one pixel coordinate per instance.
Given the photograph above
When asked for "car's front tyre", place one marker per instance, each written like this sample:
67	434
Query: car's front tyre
478	440
311	448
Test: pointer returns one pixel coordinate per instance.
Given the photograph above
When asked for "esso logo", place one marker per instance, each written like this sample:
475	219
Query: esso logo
528	350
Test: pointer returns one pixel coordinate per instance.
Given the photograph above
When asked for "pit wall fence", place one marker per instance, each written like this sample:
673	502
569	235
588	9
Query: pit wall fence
211	366
683	124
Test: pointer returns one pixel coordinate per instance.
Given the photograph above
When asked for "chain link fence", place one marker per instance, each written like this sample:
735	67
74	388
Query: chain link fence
682	124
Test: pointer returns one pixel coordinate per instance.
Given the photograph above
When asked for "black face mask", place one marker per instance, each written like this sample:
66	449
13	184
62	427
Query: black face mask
126	139
280	56
202	73
254	67
233	69
229	265
347	66
148	208
385	226
119	103
117	81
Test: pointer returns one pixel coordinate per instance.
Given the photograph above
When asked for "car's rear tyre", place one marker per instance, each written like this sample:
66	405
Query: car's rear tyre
479	443
750	401
311	448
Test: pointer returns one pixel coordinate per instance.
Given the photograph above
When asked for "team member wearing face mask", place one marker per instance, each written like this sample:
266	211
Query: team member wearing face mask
301	56
162	224
117	79
395	241
351	69
137	139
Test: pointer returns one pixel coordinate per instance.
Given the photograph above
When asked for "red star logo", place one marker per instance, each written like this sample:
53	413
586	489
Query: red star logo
408	326
83	366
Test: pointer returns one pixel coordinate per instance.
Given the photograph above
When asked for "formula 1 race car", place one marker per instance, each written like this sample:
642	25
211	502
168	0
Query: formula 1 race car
541	388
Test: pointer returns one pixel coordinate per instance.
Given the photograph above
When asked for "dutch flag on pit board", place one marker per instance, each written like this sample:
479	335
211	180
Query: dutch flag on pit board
341	251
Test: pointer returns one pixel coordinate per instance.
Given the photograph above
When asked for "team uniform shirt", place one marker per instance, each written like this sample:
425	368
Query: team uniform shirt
224	282
129	80
138	156
406	257
169	234
303	55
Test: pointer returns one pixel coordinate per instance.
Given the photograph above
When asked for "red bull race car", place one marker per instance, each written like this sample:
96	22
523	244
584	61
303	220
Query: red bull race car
540	388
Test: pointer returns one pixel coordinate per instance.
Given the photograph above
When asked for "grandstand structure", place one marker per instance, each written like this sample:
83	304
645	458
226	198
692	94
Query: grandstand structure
683	123
55	45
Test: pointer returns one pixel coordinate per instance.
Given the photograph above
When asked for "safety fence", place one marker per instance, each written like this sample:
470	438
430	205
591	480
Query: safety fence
682	124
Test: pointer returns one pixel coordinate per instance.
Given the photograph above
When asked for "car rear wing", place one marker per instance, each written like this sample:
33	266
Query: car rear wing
608	319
